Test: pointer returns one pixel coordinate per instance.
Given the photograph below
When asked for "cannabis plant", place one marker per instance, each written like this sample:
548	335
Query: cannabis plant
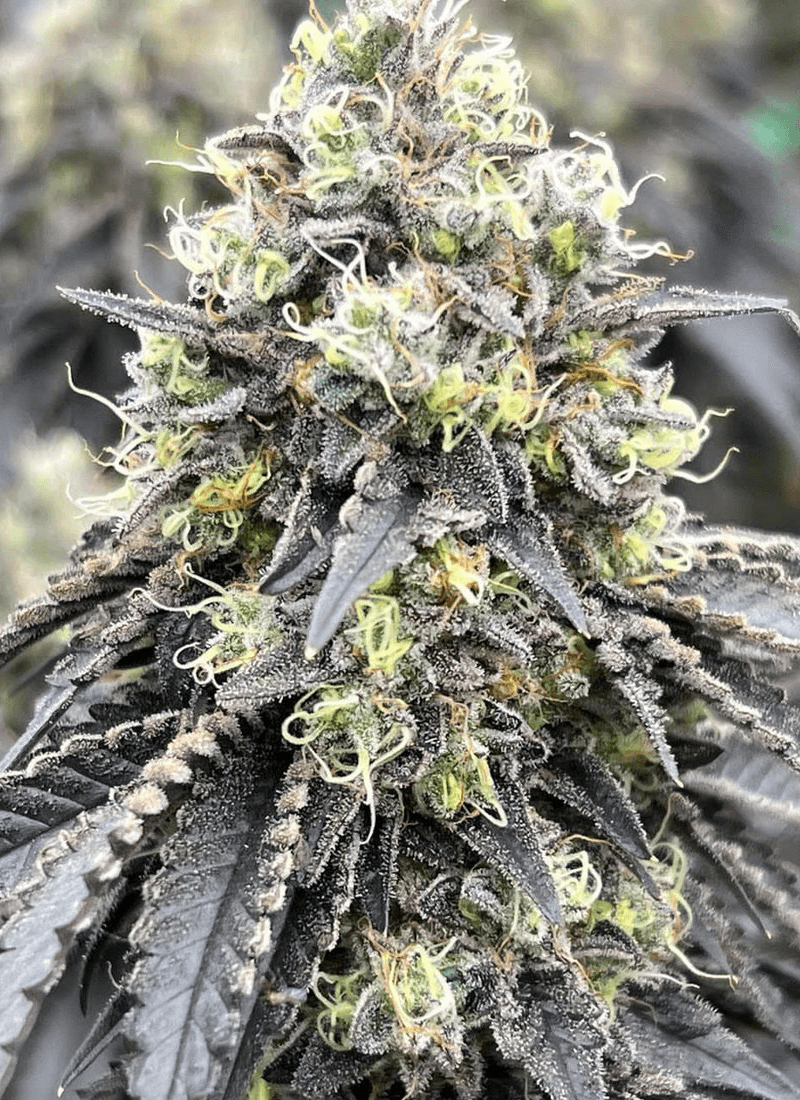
384	739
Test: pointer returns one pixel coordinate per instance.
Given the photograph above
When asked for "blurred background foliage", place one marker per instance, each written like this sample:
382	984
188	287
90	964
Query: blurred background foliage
703	92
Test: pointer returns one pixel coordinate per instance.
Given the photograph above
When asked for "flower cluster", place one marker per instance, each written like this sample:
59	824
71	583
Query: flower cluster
387	662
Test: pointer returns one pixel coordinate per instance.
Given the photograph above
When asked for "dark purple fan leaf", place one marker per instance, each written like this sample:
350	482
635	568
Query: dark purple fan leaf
202	946
717	1060
557	1032
529	549
514	848
584	782
61	897
375	543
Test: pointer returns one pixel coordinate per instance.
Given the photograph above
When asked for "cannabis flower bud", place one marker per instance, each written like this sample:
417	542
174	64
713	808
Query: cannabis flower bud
394	675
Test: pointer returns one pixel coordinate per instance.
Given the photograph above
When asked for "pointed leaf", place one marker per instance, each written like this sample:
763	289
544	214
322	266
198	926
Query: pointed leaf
583	781
139	313
70	594
195	985
755	705
43	615
746	548
377	865
253	138
50	707
514	848
474	476
675	305
746	583
375	544
341	446
57	786
717	1060
324	1073
557	1033
745	602
710	854
61	899
276	674
644	695
103	1032
305	543
531	551
308	929
330	810
764	791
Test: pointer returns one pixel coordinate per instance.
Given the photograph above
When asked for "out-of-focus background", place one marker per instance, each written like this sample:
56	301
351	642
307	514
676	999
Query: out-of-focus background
704	92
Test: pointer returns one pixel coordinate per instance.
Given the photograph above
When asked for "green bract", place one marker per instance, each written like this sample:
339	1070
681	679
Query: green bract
397	681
